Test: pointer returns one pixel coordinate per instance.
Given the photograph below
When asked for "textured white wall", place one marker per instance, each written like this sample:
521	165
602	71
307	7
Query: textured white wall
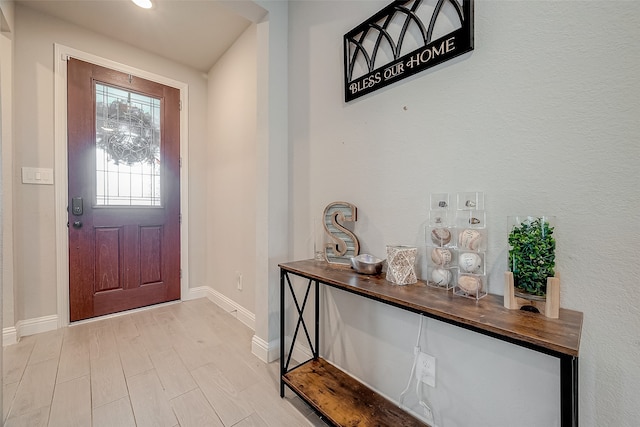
272	195
231	165
543	117
6	79
6	138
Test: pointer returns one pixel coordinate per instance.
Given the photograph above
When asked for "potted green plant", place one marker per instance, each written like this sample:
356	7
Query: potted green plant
532	253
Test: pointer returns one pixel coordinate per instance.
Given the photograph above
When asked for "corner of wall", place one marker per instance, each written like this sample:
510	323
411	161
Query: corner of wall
227	304
23	328
6	15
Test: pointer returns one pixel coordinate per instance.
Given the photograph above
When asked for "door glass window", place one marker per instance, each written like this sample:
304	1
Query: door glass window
127	148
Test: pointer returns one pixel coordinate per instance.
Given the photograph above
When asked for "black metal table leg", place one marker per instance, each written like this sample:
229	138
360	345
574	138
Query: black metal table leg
569	391
285	358
282	362
316	353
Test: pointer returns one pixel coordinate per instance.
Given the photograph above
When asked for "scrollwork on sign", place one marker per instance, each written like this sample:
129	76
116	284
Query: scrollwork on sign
402	39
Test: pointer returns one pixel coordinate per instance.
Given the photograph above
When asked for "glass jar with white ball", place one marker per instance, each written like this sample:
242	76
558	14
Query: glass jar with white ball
471	262
440	243
471	244
472	232
441	271
472	280
440	232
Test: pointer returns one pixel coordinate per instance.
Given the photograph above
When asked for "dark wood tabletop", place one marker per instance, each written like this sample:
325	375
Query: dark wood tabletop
487	315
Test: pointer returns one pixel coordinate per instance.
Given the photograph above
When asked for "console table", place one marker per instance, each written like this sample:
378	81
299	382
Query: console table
342	400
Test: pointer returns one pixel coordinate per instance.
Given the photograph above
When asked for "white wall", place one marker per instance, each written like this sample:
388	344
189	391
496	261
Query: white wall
33	146
6	246
6	138
543	117
231	164
273	219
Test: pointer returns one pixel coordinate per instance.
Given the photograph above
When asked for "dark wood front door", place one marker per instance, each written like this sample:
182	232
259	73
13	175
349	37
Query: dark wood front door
124	191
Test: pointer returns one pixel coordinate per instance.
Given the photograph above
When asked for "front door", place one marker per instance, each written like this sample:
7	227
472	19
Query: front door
124	191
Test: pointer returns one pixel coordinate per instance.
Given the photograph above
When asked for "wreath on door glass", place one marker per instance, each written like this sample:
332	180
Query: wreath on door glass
128	135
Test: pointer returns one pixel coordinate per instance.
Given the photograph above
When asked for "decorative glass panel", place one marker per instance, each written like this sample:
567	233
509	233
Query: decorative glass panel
127	148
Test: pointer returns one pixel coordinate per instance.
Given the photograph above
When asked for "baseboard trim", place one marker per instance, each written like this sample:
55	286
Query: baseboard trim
24	328
195	293
226	303
270	351
265	351
9	336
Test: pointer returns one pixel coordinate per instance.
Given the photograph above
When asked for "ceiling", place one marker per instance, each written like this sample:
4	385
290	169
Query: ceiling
191	32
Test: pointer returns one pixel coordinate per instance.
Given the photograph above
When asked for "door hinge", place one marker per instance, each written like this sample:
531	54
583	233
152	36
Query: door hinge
130	78
179	218
181	273
180	105
180	161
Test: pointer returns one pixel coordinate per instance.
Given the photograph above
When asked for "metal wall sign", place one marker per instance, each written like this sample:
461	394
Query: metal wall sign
344	244
402	39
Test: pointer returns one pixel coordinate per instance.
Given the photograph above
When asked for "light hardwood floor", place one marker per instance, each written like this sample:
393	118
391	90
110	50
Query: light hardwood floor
184	364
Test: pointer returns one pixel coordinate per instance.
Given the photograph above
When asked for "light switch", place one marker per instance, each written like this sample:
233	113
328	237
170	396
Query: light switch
43	176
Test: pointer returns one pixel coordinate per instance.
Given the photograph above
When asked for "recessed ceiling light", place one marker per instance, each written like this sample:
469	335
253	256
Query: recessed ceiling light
145	4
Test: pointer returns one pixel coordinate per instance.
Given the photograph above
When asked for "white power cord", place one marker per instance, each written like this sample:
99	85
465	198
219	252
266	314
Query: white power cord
416	352
427	409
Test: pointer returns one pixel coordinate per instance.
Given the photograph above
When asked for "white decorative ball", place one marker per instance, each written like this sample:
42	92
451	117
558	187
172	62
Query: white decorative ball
470	239
441	276
470	262
470	284
441	256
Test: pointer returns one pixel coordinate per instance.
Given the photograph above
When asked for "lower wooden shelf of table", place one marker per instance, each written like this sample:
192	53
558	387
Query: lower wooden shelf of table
342	399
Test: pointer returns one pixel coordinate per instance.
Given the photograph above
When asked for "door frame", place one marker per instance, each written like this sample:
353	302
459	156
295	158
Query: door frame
61	181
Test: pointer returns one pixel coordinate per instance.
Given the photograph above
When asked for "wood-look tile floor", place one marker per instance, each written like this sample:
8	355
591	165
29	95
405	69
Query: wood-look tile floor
184	364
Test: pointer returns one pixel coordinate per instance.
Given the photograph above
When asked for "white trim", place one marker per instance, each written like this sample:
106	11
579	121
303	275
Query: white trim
36	326
195	293
9	336
60	184
226	303
265	351
61	54
28	327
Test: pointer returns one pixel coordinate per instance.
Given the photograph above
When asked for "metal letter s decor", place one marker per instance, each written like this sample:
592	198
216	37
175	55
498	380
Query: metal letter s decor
403	39
345	244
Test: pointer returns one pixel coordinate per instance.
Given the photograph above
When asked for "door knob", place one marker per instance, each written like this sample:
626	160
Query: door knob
77	224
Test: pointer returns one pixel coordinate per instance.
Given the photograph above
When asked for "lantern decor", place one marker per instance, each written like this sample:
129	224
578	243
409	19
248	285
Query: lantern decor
401	262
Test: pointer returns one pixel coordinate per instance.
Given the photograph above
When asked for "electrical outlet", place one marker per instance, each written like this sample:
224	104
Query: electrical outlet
239	280
426	369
